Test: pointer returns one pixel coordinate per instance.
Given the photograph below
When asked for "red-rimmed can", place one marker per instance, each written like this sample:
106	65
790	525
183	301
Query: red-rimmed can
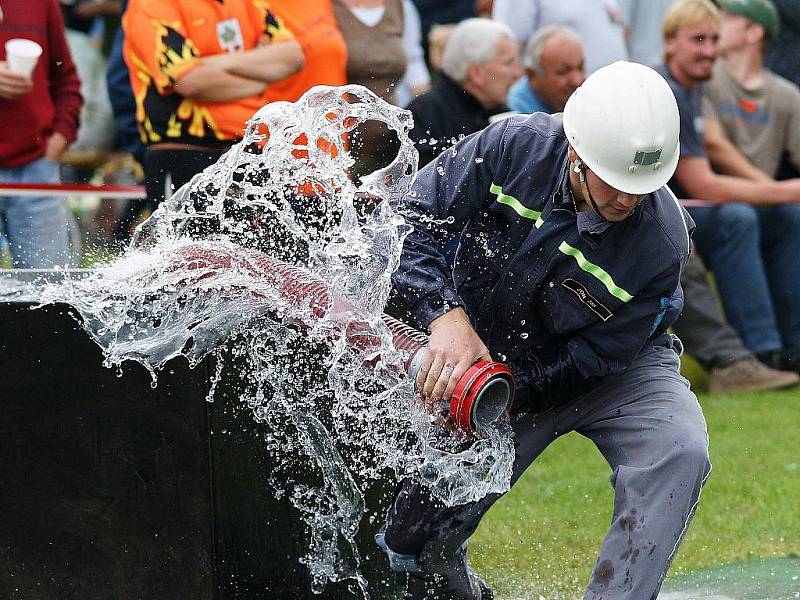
481	397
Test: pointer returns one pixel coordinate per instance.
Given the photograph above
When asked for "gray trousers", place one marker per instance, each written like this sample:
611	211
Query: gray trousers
647	424
702	327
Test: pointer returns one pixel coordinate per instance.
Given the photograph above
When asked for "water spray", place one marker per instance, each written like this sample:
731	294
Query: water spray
269	257
482	396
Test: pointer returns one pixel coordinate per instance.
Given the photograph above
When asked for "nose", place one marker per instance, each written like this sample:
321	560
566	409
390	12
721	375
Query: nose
628	200
709	48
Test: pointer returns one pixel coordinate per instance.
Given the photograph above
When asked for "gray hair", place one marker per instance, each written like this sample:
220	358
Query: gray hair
535	46
473	41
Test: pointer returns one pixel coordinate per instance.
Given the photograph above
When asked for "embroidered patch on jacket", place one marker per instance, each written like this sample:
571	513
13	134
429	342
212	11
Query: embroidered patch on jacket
584	296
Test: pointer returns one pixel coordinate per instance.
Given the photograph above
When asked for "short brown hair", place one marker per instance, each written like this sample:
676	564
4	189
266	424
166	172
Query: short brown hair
688	12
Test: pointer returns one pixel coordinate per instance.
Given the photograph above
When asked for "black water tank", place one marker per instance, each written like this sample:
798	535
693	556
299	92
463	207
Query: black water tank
110	489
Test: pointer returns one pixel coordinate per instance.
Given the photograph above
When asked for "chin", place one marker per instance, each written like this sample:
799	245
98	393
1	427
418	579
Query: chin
616	217
704	73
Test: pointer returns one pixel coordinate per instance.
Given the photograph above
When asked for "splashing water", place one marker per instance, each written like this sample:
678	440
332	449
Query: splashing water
195	283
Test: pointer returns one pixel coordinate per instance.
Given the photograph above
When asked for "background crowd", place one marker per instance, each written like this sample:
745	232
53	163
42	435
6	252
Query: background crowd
153	92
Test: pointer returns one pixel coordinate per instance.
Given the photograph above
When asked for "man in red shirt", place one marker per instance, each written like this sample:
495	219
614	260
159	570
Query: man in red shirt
38	118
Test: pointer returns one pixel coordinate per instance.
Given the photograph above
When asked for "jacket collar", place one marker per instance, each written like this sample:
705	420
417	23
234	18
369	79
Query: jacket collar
463	98
589	223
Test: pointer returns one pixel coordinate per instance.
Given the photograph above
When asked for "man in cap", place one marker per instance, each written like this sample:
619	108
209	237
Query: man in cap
568	267
750	239
759	112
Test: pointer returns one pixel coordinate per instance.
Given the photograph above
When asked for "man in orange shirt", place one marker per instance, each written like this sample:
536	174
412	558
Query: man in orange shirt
199	70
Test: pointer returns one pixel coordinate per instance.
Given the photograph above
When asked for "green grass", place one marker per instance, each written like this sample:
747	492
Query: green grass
542	537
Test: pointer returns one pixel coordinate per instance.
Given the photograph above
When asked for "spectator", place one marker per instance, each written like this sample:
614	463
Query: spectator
710	339
126	131
416	79
480	64
749	241
120	93
39	116
197	85
759	112
782	59
642	19
553	63
373	32
597	23
752	107
96	132
437	40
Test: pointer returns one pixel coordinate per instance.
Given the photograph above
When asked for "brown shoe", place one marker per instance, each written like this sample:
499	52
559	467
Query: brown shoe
749	374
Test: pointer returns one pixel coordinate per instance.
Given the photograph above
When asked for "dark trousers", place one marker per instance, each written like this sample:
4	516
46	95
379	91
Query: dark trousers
165	172
647	424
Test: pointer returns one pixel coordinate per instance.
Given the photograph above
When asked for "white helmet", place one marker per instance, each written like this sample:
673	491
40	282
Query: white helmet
624	124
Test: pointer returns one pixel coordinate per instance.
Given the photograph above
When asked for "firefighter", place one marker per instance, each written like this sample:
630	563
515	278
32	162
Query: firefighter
568	266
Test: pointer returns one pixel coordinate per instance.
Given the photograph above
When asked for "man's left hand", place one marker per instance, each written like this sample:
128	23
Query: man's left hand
56	144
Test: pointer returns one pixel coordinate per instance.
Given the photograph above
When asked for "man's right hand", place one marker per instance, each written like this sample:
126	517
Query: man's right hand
13	85
453	348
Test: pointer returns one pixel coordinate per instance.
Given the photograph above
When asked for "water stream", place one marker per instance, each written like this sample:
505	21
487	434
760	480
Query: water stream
192	284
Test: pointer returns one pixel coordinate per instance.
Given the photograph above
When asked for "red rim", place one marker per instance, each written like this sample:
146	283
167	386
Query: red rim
469	387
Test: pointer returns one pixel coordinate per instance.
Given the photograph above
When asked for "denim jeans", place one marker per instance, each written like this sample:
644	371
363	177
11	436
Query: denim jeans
36	228
753	253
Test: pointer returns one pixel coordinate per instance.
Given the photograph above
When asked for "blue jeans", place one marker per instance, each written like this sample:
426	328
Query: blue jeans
36	228
753	253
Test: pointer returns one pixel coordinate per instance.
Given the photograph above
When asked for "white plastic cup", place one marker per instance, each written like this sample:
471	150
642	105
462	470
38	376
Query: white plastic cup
22	56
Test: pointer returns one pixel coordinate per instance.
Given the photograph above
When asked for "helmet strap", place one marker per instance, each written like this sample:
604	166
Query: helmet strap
580	169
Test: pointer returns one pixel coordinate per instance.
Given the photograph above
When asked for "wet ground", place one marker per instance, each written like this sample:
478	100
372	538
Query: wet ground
768	579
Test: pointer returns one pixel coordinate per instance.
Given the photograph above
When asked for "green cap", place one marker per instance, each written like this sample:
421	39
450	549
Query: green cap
762	12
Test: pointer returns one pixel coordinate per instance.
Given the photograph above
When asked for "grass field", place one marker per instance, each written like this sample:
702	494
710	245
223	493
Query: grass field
541	539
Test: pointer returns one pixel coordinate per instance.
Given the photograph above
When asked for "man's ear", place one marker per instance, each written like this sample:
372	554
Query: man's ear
475	74
571	154
755	33
669	44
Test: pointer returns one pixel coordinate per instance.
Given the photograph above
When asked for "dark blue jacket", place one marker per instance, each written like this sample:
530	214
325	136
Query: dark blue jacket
563	307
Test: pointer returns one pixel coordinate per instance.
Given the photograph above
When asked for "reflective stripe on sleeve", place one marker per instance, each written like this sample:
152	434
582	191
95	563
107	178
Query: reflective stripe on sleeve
520	209
595	271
